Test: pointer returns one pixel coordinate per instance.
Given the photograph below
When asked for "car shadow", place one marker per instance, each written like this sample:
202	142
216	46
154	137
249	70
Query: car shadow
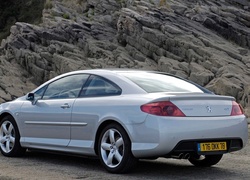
145	169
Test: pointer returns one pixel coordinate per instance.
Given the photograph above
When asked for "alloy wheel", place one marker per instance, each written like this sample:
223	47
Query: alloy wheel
7	136
112	148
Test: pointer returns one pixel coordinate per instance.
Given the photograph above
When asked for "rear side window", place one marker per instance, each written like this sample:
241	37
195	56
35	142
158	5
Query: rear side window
98	86
153	82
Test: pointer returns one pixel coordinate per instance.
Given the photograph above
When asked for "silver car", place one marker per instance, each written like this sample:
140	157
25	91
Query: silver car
122	116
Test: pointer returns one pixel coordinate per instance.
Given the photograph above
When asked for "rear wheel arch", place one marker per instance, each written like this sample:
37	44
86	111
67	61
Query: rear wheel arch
114	148
101	127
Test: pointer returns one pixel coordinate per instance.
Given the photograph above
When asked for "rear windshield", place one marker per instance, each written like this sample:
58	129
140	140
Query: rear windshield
153	82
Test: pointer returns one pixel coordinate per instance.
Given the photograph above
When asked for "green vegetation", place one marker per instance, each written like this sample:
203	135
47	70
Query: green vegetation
90	14
162	3
48	4
66	16
12	11
81	1
151	2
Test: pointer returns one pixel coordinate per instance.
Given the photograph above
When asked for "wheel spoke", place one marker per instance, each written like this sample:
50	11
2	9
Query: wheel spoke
119	142
118	156
106	146
10	129
4	128
3	139
110	158
12	139
111	136
7	146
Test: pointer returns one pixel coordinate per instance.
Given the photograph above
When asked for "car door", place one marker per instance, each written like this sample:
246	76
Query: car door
47	122
88	108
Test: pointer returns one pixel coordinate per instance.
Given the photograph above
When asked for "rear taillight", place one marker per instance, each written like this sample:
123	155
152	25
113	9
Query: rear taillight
236	109
163	108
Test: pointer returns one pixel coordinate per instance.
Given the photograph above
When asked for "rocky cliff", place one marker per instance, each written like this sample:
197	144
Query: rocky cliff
206	41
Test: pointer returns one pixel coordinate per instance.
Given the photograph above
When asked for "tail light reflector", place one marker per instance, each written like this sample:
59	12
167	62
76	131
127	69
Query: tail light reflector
236	109
163	108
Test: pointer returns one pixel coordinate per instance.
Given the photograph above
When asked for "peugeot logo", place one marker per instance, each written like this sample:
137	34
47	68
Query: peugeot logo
209	109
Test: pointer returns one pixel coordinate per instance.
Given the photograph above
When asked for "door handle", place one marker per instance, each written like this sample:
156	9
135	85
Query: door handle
66	105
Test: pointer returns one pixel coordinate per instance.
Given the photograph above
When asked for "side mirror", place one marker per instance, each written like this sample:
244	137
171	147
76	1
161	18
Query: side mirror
31	97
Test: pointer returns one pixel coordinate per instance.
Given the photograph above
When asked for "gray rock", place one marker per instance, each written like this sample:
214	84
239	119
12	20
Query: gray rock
205	41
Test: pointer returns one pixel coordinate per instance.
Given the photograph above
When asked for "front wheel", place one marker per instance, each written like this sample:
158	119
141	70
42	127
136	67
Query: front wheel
10	138
114	149
205	160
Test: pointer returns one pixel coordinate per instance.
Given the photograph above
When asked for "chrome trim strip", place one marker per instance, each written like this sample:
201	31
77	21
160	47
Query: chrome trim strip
56	123
78	124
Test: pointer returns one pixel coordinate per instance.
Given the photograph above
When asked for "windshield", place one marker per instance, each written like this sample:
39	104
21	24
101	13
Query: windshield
153	82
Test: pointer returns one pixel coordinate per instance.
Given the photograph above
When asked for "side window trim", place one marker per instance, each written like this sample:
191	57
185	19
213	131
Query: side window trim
87	83
44	89
84	85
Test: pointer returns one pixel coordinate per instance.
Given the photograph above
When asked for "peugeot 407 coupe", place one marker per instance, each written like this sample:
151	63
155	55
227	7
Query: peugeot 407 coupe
122	116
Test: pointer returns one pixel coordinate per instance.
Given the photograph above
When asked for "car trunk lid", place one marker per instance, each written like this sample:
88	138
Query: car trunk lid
199	104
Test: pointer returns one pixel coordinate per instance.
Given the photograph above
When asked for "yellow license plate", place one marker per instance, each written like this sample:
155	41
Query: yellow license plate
212	146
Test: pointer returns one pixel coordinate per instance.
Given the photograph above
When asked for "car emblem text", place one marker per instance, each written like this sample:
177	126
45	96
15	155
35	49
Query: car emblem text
209	109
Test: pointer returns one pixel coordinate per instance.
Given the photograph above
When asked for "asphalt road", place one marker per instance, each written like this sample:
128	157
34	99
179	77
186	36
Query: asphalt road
43	166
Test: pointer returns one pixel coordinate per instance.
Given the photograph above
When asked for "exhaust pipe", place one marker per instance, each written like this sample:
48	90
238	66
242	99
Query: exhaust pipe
180	156
186	156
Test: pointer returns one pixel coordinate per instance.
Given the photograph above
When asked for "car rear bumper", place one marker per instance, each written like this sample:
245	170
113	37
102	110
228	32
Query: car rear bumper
189	147
161	136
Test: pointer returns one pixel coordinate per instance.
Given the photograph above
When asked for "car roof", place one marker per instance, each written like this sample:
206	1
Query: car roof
110	70
117	70
109	73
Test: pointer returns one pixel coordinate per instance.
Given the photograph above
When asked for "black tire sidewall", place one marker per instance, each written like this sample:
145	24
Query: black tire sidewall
208	161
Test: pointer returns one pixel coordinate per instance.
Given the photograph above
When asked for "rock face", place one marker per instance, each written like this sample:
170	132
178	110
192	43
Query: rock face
207	42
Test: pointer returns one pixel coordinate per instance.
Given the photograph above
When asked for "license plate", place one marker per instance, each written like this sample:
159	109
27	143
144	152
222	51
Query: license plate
212	146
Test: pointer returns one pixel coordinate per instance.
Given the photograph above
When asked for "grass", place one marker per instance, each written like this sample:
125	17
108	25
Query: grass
162	3
66	16
48	4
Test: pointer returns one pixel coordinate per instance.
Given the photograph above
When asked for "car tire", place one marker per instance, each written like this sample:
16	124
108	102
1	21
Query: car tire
10	138
205	161
114	149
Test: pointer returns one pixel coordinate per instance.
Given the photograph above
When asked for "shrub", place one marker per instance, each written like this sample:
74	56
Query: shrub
66	16
162	3
48	4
